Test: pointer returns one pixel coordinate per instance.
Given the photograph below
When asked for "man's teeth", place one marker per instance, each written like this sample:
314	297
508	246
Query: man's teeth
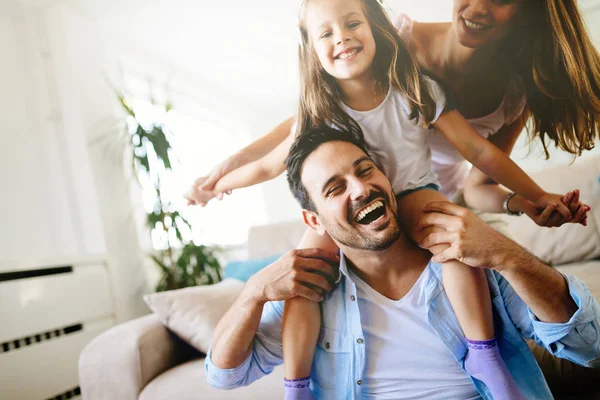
363	213
347	54
473	25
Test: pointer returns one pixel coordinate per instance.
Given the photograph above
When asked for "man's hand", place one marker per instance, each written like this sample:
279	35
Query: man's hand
309	273
470	239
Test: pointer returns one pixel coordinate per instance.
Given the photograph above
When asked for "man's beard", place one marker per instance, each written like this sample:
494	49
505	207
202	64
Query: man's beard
358	239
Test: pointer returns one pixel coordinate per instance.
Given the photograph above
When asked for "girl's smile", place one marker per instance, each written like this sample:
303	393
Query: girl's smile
341	38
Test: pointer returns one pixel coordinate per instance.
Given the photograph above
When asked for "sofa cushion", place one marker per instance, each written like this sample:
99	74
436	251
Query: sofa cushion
188	382
244	269
570	242
193	313
587	271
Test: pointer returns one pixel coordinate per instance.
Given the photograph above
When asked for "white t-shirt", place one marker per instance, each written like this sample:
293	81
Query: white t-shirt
449	165
397	144
404	357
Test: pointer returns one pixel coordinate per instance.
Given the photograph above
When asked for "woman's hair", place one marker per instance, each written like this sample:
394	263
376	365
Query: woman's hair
392	66
560	68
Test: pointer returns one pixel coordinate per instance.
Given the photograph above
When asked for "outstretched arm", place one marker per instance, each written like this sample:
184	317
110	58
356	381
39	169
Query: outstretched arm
482	192
494	162
266	168
250	153
261	170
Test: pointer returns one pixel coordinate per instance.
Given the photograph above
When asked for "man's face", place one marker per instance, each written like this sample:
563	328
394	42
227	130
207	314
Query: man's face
353	198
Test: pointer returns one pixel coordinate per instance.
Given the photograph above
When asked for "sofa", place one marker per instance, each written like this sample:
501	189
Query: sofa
141	359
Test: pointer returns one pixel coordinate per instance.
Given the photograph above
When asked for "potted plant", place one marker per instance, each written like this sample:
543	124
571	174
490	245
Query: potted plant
182	262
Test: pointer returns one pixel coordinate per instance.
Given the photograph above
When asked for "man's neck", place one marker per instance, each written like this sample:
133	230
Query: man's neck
393	271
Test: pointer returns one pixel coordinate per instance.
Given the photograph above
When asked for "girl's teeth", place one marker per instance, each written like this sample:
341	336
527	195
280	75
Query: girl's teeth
348	54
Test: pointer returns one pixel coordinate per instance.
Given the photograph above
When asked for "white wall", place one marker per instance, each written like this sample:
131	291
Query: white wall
63	199
38	164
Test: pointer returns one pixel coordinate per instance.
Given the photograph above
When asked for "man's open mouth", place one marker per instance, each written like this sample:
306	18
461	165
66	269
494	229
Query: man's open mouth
371	213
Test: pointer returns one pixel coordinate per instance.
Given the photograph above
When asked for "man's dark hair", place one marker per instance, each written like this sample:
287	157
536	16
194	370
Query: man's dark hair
307	142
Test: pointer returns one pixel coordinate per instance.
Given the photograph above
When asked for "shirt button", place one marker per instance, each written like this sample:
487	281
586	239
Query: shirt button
359	341
359	382
352	298
327	345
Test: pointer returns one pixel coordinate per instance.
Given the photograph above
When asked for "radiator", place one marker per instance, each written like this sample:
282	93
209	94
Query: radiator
47	316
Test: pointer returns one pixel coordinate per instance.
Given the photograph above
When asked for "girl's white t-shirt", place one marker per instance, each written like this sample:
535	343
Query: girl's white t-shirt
397	144
405	359
448	164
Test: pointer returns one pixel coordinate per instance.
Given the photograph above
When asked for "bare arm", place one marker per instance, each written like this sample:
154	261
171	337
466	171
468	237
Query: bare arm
541	287
261	170
494	162
250	153
307	273
486	194
474	243
235	332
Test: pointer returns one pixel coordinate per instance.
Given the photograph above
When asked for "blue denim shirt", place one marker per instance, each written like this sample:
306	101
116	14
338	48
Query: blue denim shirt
339	362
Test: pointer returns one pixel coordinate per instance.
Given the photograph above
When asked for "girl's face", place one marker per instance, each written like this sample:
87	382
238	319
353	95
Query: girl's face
481	22
342	37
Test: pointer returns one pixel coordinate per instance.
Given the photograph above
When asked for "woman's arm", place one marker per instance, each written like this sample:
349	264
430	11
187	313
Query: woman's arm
250	153
494	162
485	194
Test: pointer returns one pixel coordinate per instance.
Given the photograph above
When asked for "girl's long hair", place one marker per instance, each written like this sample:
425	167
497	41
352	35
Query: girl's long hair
393	66
560	68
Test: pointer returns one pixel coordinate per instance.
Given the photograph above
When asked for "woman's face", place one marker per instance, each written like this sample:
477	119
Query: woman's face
480	22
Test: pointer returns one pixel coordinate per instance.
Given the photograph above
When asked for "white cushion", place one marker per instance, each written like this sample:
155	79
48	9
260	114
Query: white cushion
570	242
193	313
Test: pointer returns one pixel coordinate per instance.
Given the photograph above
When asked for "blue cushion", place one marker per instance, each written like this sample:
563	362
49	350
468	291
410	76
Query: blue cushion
244	269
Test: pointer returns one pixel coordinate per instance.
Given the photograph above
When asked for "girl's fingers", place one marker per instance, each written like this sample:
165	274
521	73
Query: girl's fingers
542	219
563	210
580	214
574	203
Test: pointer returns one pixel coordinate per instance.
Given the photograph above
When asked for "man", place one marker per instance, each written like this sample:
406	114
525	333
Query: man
388	329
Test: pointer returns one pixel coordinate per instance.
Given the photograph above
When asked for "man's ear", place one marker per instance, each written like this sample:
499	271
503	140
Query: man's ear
311	219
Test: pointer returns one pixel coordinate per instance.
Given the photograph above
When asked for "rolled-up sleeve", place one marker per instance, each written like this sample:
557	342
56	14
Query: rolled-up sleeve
266	354
577	340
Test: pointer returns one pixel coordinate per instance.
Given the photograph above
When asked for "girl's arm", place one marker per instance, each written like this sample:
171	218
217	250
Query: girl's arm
250	153
494	162
486	194
261	170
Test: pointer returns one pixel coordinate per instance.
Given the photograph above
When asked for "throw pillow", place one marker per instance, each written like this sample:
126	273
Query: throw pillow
243	270
193	313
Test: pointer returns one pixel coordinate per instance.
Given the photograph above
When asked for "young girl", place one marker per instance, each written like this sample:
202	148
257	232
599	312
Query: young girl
357	75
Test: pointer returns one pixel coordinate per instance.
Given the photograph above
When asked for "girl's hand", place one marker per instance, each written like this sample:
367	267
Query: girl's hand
556	200
578	209
222	169
548	216
196	195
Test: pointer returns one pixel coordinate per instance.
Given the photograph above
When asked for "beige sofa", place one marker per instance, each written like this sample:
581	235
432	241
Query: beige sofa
143	360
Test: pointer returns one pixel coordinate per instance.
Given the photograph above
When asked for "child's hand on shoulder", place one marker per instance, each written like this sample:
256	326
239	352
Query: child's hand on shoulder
198	196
